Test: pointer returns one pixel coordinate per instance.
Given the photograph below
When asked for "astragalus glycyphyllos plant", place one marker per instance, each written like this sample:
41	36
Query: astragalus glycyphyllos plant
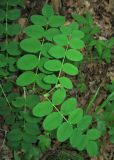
100	48
41	108
105	119
9	29
51	48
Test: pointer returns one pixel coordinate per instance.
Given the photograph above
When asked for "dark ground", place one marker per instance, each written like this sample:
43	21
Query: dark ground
93	73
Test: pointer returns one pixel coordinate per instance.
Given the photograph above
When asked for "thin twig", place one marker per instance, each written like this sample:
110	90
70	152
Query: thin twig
46	1
5	96
3	141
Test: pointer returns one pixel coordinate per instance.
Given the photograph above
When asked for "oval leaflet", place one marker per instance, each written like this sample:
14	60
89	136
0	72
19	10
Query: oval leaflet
42	109
52	121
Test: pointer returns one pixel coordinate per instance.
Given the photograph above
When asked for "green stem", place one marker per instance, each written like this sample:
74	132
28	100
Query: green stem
38	60
51	90
24	95
59	73
62	65
58	110
25	109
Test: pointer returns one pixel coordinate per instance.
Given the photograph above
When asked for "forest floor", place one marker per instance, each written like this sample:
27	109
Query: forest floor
94	73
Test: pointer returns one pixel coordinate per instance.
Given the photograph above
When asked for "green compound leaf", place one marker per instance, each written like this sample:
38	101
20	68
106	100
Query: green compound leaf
12	96
111	43
34	31
56	21
3	73
31	129
13	2
95	30
30	45
14	135
26	78
26	146
9	119
32	100
75	116
42	61
61	40
3	60
41	83
19	102
67	30
2	101
13	145
53	65
14	29
4	111
57	52
27	62
76	43
78	140
2	46
52	121
47	11
77	34
7	86
82	141
86	30
50	33
3	2
58	96
42	109
68	106
13	48
66	82
29	138
80	19
11	60
93	134
12	68
29	118
39	20
70	69
84	122
50	79
2	15
45	48
92	148
44	142
21	3
73	26
99	46
13	14
64	131
74	55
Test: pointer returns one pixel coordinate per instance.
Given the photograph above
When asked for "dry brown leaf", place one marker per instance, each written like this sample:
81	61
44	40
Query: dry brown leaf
56	5
22	22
